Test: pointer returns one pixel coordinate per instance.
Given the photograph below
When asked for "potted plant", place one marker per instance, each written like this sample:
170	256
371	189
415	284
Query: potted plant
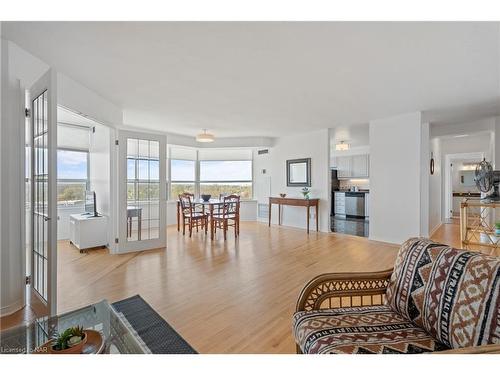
70	341
497	228
306	192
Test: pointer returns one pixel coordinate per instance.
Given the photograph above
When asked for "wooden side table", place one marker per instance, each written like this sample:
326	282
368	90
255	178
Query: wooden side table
301	202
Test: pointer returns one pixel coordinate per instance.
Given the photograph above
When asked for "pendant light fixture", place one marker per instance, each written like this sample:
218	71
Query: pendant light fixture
342	146
205	137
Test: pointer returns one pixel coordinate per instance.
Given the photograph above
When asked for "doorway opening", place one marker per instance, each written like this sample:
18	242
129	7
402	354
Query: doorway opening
459	181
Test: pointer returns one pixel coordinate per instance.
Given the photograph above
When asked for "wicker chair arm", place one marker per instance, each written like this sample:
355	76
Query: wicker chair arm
340	285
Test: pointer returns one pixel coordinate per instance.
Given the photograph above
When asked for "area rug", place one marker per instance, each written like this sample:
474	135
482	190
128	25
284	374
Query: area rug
154	331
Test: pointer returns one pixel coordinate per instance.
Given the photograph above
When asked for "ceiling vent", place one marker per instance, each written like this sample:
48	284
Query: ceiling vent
262	152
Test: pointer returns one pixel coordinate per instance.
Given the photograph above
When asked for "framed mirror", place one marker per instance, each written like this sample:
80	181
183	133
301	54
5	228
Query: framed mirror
298	172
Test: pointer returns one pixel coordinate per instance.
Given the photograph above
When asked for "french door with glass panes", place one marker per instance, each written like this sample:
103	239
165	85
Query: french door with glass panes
142	191
43	119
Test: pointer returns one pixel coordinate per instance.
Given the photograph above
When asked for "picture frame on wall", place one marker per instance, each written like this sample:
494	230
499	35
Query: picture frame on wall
298	172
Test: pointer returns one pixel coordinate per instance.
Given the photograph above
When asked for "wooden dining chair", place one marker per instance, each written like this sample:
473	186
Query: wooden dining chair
230	215
198	208
190	216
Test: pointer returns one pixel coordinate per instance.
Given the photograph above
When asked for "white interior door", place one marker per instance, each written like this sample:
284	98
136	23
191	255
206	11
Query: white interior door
43	114
142	191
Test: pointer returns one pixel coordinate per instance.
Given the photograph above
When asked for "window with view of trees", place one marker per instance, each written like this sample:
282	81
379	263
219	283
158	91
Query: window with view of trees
226	177
182	177
211	171
72	177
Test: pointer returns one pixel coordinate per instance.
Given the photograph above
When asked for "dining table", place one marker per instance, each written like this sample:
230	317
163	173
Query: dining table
208	206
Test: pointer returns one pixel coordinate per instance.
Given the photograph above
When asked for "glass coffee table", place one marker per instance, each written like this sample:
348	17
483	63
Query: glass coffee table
118	335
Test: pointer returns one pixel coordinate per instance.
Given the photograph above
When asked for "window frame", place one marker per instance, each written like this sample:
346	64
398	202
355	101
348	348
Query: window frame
226	181
136	181
170	181
198	182
75	180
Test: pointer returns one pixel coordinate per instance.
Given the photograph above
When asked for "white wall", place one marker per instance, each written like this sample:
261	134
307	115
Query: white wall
483	125
101	141
424	179
63	214
435	181
12	241
314	145
262	175
472	144
26	67
395	178
100	172
357	136
78	98
496	143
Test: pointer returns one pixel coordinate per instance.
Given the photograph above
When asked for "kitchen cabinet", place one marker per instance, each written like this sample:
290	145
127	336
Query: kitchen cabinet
359	165
339	203
343	166
355	166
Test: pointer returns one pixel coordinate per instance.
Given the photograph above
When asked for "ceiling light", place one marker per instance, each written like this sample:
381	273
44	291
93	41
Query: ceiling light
342	146
205	137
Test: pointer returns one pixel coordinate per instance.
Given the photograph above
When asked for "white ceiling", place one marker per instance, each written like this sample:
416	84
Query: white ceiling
354	135
270	79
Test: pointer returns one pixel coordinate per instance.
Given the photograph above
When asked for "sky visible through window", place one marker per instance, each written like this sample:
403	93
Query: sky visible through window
147	169
71	165
182	170
240	170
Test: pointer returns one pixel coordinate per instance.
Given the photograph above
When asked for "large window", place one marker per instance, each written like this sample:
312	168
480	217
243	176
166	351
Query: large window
182	177
211	171
72	177
226	177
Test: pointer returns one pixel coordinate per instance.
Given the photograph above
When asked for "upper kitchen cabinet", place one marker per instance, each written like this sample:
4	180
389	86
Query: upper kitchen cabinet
360	165
343	166
355	166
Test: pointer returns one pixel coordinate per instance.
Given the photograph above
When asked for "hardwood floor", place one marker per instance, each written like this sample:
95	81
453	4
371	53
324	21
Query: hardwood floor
223	297
449	233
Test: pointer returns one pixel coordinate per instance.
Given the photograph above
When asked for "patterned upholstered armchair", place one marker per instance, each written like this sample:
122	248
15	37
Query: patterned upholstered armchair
436	299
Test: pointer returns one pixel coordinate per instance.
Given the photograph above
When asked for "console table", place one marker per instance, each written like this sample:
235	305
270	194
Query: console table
476	224
301	202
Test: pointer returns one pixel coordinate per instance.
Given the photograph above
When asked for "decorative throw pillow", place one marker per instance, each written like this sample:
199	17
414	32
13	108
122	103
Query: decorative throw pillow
453	294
